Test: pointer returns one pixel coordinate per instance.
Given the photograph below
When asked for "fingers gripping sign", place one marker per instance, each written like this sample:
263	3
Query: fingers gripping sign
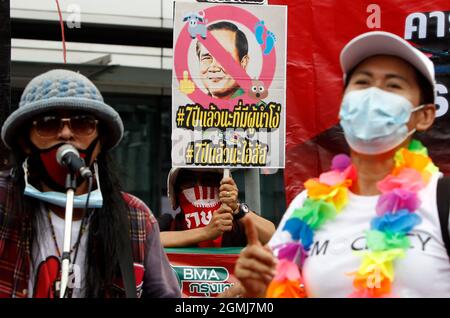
255	267
221	221
229	193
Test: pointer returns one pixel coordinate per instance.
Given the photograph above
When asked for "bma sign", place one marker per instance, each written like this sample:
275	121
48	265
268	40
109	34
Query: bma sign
202	281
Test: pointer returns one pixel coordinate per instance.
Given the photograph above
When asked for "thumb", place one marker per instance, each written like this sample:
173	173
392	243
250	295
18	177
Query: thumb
224	208
185	75
221	209
251	232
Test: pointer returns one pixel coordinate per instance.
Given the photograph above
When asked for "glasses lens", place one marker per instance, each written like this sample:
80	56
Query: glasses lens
83	125
47	126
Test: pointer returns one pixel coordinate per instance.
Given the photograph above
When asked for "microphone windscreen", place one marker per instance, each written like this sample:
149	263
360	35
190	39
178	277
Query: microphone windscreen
63	150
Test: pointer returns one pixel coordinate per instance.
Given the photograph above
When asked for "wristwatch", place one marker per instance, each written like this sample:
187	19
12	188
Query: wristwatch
242	211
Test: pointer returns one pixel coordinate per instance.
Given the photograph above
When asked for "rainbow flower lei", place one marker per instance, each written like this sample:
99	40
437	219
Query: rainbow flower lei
387	239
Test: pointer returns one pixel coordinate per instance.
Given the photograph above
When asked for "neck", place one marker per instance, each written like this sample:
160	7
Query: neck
61	212
373	168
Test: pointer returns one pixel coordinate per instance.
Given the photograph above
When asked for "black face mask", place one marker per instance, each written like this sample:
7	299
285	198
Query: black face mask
43	163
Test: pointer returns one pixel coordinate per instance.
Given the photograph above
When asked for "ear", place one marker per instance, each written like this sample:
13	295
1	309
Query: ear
244	61
425	117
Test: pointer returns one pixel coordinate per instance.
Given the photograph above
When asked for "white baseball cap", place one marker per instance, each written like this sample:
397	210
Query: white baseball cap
384	43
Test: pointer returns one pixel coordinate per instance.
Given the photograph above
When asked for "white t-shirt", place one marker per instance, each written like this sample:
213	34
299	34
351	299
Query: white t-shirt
46	265
424	272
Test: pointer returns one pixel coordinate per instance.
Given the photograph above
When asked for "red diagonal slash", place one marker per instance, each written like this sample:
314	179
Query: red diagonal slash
227	61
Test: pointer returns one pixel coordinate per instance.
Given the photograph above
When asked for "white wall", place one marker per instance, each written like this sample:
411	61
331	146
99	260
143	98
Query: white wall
130	12
80	53
148	13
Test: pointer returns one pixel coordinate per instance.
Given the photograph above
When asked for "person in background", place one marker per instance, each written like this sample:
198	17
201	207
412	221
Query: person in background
115	240
210	213
359	229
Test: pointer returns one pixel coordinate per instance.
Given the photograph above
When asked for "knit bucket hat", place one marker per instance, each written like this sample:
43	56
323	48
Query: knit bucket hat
58	90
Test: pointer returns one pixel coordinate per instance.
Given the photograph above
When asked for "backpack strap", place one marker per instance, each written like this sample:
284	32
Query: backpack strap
443	204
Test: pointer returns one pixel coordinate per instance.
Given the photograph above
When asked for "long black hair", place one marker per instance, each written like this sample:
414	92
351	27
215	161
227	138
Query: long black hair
106	226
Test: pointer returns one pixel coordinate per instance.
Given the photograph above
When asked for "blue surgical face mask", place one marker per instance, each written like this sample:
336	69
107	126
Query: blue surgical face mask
58	198
375	121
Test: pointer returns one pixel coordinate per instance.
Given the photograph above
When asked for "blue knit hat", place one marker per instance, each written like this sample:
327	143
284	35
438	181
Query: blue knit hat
62	90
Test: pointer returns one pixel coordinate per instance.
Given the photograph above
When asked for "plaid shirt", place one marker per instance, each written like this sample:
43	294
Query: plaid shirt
15	248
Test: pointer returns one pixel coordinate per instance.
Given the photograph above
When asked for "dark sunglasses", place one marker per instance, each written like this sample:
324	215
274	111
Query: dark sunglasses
80	125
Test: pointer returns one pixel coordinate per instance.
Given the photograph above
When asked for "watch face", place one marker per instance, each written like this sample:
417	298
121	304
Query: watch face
243	210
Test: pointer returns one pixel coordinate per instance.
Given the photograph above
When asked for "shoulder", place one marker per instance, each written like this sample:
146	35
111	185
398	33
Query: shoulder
298	200
428	195
9	213
278	237
6	185
138	210
295	204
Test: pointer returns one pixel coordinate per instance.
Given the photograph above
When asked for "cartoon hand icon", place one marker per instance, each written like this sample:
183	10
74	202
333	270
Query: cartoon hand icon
186	85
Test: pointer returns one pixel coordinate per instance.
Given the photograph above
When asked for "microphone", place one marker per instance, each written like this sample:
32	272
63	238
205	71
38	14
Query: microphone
68	156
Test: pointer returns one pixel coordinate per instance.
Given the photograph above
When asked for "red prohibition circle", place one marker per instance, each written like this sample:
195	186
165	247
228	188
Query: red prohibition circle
213	14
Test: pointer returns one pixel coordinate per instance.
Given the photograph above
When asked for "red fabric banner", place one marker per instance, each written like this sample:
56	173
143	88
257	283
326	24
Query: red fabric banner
317	31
